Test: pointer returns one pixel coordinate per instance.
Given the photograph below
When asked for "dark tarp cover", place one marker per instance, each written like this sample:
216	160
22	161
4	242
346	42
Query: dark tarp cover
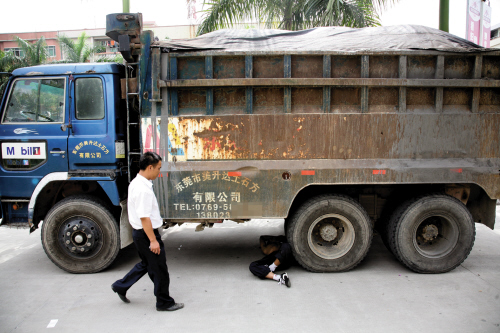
324	39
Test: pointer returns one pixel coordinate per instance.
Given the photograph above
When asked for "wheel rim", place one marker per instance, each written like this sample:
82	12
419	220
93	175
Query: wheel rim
331	236
435	236
80	237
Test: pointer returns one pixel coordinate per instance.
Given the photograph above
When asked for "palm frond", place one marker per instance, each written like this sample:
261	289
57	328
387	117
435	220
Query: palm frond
81	49
40	52
292	14
78	51
68	47
225	13
10	61
349	13
34	53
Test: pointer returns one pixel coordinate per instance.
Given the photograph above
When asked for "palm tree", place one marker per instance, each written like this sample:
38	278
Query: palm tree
292	14
3	78
77	51
31	54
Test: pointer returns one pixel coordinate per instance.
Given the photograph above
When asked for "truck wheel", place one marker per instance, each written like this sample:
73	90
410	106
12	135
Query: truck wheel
432	234
381	228
386	232
382	225
80	235
330	233
286	226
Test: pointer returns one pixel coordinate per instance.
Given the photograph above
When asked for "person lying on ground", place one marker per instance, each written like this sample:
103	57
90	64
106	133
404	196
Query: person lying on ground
278	256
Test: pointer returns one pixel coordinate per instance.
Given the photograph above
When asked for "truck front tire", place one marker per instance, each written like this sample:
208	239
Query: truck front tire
80	235
330	233
432	234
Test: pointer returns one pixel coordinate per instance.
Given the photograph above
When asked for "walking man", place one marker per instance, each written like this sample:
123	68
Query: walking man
144	216
278	257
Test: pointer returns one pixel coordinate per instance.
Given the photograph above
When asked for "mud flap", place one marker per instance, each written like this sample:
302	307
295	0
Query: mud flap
125	227
483	210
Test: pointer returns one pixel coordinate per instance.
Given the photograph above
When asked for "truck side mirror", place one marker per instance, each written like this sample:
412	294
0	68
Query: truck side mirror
65	126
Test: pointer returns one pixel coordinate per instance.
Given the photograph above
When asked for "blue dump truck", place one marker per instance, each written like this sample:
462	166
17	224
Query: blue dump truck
337	131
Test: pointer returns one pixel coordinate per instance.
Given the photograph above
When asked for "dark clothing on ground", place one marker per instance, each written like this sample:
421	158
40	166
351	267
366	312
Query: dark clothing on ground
260	268
153	264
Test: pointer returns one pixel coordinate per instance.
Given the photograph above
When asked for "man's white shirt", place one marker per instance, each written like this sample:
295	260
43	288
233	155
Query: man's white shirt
142	203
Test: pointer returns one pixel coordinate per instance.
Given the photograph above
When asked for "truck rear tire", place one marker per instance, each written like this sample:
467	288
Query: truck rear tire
80	235
432	234
330	233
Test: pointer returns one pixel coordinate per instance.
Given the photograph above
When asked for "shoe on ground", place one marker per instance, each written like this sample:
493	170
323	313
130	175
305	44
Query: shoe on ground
284	279
122	296
174	307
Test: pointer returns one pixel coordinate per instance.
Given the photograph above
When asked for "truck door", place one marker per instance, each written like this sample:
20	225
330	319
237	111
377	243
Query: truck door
92	141
33	144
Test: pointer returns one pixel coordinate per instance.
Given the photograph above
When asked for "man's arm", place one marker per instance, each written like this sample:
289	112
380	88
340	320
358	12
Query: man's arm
148	229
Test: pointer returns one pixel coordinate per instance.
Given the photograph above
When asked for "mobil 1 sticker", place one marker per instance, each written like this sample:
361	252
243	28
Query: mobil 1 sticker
24	150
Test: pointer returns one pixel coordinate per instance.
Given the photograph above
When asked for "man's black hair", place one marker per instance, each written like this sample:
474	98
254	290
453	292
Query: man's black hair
149	158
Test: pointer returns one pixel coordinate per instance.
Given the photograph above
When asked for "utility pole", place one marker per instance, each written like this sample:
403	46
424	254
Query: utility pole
444	15
191	5
126	6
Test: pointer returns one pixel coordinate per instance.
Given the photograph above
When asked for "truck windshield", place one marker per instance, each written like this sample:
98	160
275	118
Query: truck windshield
35	100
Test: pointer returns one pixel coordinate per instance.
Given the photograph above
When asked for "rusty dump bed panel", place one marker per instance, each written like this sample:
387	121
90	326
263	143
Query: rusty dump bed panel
247	131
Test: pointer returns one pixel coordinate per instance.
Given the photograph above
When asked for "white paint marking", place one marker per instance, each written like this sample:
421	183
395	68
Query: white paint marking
52	323
6	257
15	251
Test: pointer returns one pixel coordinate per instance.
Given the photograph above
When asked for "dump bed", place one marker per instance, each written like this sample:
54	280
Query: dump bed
255	119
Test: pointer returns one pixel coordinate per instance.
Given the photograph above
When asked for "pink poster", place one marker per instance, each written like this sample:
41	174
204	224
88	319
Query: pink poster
486	25
473	16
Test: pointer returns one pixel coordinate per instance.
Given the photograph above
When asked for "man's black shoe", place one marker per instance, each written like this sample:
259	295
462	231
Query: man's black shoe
174	307
122	296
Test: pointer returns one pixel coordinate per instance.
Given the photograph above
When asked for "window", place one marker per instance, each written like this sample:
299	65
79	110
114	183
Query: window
36	100
89	98
51	51
109	45
17	51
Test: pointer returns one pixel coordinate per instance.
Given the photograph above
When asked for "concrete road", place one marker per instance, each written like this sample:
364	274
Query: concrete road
209	273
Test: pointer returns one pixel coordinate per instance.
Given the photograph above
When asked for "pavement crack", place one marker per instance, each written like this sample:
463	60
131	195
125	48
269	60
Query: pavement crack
479	276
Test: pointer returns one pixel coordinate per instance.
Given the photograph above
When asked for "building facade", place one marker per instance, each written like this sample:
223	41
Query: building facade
495	36
95	38
98	38
8	42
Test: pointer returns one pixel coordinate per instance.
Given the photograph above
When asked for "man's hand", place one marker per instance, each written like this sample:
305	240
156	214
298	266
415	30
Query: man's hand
155	247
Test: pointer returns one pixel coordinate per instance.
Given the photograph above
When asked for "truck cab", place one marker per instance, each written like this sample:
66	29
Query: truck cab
62	136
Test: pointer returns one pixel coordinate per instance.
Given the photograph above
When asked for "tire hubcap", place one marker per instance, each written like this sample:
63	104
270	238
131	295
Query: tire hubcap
435	236
328	232
331	236
80	237
430	232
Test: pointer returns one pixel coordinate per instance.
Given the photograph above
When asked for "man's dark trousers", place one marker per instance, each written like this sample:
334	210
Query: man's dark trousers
153	264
